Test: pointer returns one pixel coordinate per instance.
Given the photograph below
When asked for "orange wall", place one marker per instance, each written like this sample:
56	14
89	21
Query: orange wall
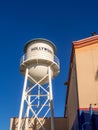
87	75
83	78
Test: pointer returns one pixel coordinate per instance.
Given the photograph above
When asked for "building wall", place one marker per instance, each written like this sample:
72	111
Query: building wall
82	81
87	75
59	124
72	98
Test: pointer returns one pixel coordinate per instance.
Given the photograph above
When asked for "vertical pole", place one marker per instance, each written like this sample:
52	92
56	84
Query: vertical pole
90	110
27	113
51	100
23	98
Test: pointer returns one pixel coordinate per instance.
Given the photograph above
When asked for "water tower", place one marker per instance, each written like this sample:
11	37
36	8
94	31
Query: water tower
39	65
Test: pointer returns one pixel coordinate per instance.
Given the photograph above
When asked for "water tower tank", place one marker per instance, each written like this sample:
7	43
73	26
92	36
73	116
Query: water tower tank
39	54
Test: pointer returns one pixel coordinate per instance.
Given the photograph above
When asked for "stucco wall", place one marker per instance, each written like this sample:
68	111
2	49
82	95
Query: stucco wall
72	99
83	79
87	75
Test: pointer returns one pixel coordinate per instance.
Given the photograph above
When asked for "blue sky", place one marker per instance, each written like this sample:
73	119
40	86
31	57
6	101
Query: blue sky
61	21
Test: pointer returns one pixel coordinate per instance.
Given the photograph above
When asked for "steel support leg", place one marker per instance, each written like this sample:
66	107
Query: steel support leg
51	100
23	98
27	114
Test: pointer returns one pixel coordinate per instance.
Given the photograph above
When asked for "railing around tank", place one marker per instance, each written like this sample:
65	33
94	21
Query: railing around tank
24	59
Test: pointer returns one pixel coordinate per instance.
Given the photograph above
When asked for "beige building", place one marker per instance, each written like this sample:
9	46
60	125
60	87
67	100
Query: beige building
59	124
83	79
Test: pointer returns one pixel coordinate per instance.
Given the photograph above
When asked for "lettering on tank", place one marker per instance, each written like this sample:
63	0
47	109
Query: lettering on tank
41	49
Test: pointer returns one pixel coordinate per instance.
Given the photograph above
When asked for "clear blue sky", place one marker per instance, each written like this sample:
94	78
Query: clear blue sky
61	21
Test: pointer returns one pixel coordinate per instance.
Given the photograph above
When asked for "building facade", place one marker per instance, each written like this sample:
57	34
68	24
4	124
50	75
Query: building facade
82	92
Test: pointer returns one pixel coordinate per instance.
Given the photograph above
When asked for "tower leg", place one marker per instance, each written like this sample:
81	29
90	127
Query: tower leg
23	98
27	114
51	100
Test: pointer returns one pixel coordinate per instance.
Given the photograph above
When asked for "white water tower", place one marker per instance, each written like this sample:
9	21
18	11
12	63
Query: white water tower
39	65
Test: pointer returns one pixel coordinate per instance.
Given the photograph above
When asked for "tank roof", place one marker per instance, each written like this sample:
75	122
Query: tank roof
33	41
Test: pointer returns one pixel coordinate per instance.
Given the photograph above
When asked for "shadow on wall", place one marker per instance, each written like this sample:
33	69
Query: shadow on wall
96	76
59	123
76	122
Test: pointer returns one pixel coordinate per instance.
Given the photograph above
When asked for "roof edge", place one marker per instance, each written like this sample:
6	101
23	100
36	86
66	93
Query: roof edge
85	42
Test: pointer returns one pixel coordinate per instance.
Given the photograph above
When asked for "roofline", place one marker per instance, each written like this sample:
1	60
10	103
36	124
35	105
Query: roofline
85	42
33	41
